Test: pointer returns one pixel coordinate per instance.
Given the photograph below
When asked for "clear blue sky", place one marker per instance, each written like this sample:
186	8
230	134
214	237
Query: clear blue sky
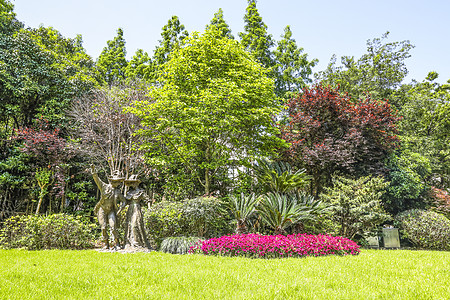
321	27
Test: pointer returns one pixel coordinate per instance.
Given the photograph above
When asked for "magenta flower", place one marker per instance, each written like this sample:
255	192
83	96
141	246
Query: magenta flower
274	246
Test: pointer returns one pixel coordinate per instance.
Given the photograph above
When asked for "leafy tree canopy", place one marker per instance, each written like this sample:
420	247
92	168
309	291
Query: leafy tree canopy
214	107
425	127
140	66
173	33
379	72
112	62
327	132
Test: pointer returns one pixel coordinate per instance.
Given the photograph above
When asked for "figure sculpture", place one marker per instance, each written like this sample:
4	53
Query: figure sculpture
106	208
134	223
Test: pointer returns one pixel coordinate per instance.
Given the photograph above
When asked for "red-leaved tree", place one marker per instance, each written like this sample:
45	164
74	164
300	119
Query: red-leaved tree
48	150
329	132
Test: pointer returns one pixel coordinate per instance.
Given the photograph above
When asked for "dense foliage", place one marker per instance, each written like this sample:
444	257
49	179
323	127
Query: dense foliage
58	231
425	229
356	205
329	132
214	108
208	114
276	246
199	217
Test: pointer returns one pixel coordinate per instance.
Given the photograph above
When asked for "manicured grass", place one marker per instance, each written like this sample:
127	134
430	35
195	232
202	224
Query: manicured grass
373	274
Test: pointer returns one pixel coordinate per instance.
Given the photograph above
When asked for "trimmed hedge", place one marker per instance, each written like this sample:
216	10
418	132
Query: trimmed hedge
58	231
425	229
200	217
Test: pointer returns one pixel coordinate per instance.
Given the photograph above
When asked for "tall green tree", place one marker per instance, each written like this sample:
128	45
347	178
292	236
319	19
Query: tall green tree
140	66
173	33
425	127
112	62
40	73
380	71
70	55
31	84
293	70
213	109
8	21
255	38
219	22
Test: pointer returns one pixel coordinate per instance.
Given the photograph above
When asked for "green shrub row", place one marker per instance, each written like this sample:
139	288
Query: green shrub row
58	231
201	217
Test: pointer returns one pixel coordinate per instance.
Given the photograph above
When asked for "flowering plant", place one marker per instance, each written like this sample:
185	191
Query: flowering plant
276	246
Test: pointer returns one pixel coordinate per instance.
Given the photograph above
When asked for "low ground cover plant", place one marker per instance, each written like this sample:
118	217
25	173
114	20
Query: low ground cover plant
88	274
178	244
276	246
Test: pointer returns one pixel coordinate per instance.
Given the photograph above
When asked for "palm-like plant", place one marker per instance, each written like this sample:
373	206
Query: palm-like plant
315	207
243	208
279	211
278	177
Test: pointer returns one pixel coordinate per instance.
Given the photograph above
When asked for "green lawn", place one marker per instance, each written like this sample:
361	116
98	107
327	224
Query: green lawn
373	274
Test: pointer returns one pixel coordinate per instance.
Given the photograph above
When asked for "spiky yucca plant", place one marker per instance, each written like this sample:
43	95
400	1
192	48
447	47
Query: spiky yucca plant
278	177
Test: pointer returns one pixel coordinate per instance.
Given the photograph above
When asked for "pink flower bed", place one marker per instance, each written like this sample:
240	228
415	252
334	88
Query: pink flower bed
276	246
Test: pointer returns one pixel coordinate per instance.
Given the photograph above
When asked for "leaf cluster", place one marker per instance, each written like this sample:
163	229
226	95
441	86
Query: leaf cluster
356	204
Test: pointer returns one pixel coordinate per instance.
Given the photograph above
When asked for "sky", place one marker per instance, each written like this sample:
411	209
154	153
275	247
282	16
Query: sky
321	27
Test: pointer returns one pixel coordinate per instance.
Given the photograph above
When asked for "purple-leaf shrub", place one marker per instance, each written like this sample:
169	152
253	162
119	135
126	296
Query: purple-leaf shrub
276	246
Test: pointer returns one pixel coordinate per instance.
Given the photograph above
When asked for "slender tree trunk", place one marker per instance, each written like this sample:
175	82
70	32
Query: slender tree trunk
207	178
207	182
63	198
39	205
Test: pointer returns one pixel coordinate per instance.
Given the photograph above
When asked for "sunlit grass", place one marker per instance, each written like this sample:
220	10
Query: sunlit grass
92	275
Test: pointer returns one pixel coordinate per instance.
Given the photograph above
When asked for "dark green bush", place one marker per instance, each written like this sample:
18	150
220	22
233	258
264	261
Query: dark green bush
58	231
424	229
206	217
179	244
163	219
202	217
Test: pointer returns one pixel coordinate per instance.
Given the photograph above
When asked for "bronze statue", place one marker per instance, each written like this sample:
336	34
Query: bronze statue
106	208
134	223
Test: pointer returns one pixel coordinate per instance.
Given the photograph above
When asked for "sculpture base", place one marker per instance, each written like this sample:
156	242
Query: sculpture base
127	249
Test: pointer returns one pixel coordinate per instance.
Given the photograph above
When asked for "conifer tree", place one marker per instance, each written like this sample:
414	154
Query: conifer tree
112	62
219	22
255	38
293	70
140	66
172	34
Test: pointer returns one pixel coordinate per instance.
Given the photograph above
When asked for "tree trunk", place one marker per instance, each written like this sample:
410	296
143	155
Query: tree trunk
278	231
63	198
241	227
207	182
39	205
